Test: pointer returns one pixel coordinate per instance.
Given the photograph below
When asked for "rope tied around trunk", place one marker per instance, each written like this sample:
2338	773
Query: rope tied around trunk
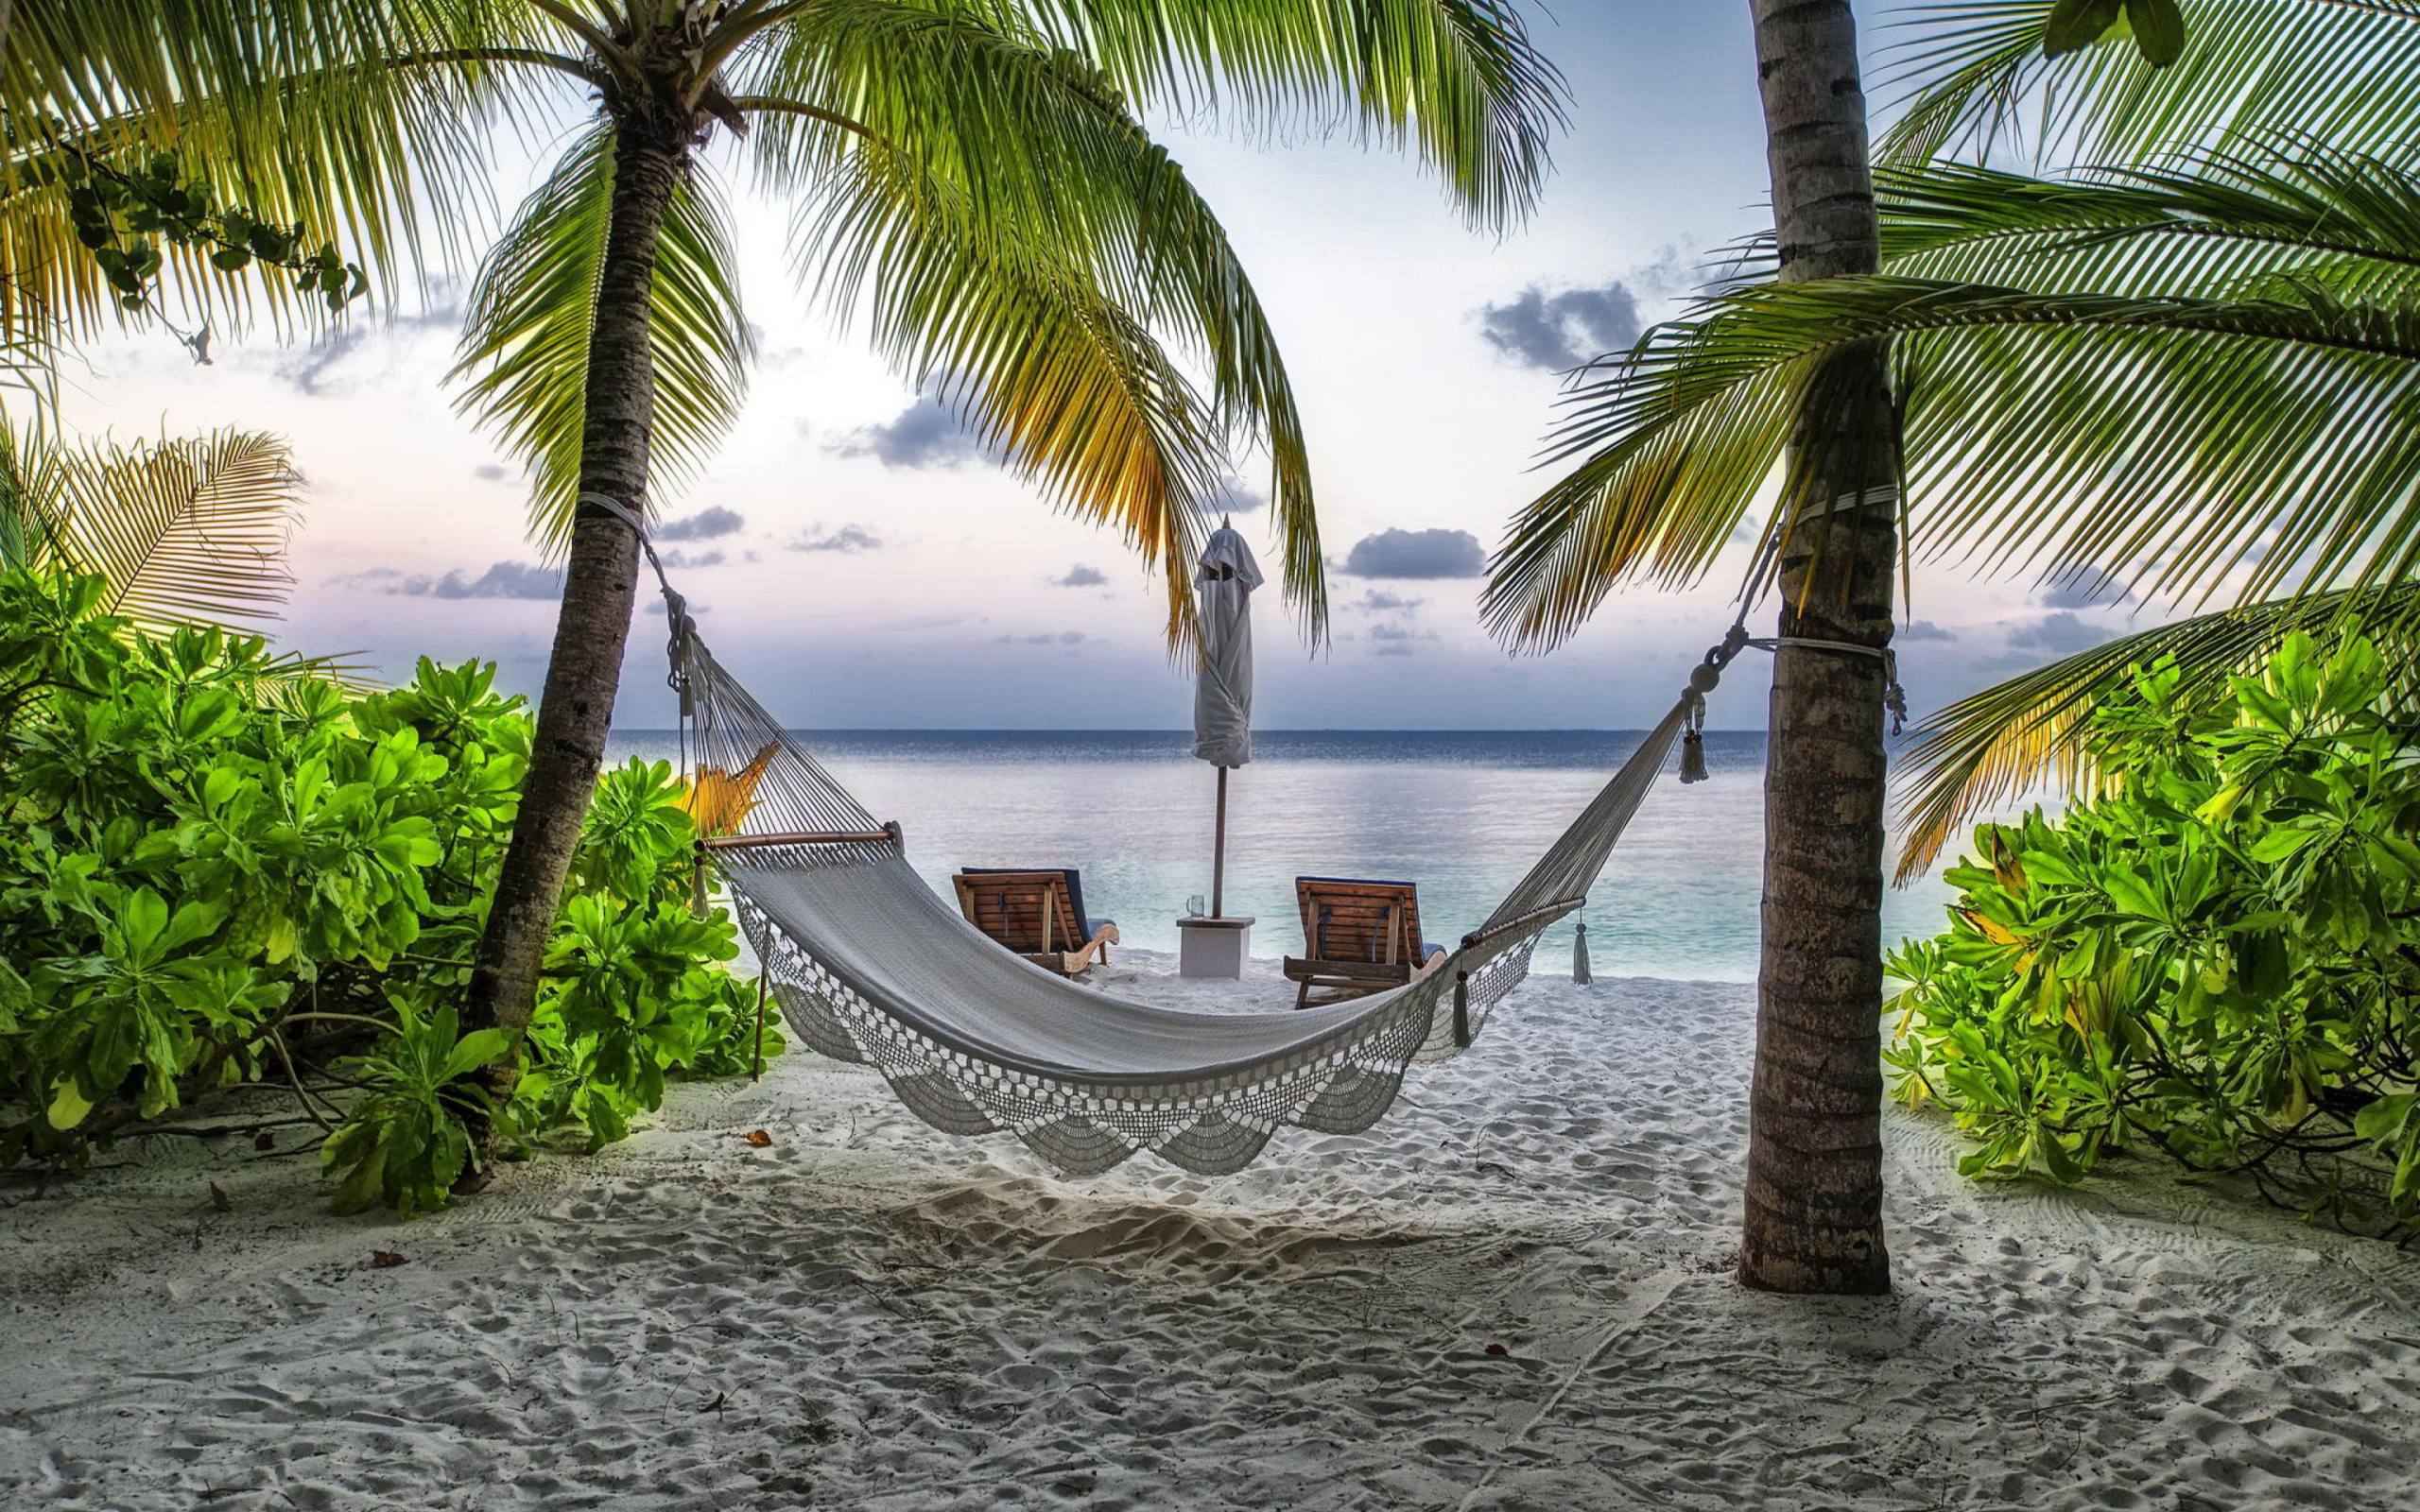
682	629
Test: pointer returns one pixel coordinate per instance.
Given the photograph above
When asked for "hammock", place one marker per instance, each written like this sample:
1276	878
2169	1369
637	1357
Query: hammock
871	966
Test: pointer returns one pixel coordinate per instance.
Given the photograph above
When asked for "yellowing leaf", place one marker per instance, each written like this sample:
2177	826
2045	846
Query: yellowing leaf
718	802
68	1104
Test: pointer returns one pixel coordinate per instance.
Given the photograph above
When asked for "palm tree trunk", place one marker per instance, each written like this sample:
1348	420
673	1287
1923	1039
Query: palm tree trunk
600	584
1814	1187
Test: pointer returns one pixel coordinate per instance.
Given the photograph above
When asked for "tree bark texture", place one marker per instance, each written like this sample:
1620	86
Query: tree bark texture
1814	1184
600	581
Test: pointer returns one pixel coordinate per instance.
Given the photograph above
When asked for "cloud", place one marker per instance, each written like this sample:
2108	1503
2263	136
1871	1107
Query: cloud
1080	576
1240	497
848	539
1399	632
2061	634
490	473
707	524
927	434
505	579
1924	631
1558	331
675	561
1045	638
321	368
1378	601
2052	636
2084	587
1414	554
655	607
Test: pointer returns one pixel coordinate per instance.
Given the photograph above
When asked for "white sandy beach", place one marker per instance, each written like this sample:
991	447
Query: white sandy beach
1512	1294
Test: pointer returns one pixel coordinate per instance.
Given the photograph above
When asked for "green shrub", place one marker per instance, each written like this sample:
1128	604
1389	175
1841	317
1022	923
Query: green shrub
2214	958
211	876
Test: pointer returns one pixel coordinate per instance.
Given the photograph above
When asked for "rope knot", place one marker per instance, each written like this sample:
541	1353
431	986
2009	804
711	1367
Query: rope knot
1734	640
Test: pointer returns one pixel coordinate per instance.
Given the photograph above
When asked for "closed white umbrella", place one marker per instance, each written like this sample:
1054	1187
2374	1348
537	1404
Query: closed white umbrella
1222	690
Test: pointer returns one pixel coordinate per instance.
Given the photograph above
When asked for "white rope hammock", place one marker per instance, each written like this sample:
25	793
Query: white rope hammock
871	966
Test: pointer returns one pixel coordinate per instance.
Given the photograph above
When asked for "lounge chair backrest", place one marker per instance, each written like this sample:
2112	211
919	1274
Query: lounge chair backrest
1011	906
1350	920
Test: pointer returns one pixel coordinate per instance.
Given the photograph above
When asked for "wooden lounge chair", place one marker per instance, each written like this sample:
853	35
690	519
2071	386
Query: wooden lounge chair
1040	914
1358	938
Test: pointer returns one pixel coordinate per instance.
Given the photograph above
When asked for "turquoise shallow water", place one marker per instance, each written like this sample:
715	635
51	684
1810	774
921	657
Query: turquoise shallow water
1464	814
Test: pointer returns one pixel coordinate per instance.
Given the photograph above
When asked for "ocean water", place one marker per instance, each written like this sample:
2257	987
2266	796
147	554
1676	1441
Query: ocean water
1464	814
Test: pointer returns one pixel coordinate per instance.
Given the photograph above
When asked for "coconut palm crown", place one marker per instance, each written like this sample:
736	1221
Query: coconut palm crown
2196	374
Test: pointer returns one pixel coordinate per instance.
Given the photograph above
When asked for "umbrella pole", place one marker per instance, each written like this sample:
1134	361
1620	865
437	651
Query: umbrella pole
1218	855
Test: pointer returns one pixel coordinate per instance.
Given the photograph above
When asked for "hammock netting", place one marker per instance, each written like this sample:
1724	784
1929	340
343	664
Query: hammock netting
872	966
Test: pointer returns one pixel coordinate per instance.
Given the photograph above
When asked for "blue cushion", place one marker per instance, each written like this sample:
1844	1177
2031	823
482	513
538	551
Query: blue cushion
1074	889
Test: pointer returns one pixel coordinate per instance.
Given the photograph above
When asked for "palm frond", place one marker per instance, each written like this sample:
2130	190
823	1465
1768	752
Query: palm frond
2208	223
1025	163
2010	739
524	344
2195	446
1071	389
1459	81
322	112
1975	83
187	531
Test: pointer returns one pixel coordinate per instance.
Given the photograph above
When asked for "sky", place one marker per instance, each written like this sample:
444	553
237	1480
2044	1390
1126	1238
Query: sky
861	565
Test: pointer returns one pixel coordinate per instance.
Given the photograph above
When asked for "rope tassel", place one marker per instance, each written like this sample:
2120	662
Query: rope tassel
1693	757
1703	680
1580	951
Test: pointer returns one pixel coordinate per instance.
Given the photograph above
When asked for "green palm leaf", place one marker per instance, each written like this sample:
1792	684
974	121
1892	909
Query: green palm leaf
304	110
1069	385
2177	441
187	531
1990	749
1976	82
979	158
1459	81
524	347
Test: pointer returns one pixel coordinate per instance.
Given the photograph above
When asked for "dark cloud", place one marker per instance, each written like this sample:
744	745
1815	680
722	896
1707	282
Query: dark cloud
847	538
315	371
2061	634
925	435
1414	554
1924	631
1399	632
1239	497
2034	642
1080	576
1558	331
707	524
323	368
1378	601
490	473
2084	587
675	561
505	579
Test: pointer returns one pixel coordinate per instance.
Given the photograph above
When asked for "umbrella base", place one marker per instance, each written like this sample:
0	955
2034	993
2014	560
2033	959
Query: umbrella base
1214	946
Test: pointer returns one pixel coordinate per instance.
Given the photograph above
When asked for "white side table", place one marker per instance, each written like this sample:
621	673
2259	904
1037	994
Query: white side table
1213	946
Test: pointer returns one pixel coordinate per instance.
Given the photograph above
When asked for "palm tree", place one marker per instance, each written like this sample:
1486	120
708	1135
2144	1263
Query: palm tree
973	180
1642	502
1814	1182
2196	375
